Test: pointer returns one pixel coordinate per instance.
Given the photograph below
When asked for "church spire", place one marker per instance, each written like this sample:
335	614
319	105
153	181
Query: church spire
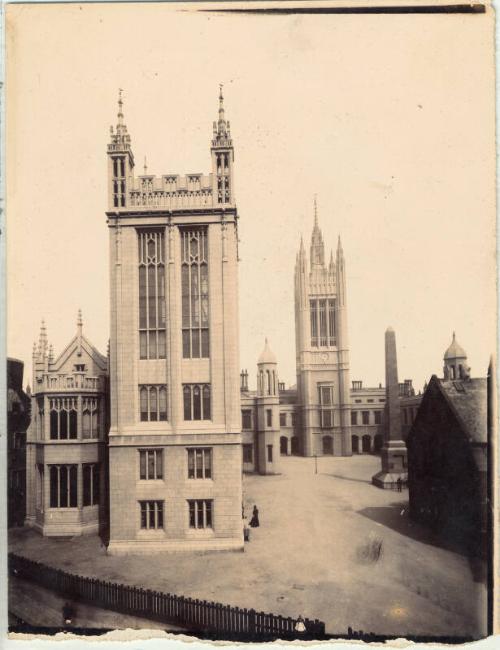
317	245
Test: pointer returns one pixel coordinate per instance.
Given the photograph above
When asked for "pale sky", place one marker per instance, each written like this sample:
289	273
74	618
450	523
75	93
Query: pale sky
388	119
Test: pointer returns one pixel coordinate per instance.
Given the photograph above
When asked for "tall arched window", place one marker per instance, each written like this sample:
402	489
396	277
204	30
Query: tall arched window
194	281
152	322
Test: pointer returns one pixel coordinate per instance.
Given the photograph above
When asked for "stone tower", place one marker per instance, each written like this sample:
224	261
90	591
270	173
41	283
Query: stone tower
455	362
175	436
393	454
322	349
268	426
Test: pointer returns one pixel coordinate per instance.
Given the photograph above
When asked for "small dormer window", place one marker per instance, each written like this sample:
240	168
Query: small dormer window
80	367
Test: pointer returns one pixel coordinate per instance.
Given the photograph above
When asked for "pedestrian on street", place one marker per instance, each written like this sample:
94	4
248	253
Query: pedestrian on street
254	522
399	484
68	613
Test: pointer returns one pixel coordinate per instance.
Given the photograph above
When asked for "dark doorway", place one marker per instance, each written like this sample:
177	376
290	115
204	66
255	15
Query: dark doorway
328	445
378	442
295	446
367	444
355	445
284	446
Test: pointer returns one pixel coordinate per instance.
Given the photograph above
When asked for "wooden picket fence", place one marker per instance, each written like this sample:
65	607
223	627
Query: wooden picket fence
201	617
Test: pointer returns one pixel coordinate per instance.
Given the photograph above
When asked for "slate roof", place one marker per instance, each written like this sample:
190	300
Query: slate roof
468	399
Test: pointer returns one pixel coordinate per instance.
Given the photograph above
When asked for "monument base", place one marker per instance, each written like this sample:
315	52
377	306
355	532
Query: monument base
389	480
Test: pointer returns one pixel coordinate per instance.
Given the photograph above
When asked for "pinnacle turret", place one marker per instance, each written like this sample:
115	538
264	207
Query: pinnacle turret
120	139
222	132
42	342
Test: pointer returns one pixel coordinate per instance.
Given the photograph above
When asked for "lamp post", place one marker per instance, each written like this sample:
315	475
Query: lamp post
315	463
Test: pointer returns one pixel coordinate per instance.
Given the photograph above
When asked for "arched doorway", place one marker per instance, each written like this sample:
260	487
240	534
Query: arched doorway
355	445
378	442
328	445
284	446
295	445
367	444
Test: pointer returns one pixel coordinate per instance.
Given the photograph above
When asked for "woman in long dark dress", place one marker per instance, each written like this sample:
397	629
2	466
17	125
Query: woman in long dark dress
254	522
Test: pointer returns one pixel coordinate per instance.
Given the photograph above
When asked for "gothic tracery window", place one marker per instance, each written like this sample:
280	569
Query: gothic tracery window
63	418
152	319
194	272
90	417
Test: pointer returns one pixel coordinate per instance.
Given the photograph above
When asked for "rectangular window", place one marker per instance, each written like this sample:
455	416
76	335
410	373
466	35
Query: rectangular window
152	317
63	418
153	403
199	463
197	400
90	473
322	319
151	515
326	418
269	453
354	417
378	417
200	513
63	486
194	283
246	419
370	401
119	182
282	419
248	453
326	406
150	464
269	417
366	417
331	323
314	323
294	419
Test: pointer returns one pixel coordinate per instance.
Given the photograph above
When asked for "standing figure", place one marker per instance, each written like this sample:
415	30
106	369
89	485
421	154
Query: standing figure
254	522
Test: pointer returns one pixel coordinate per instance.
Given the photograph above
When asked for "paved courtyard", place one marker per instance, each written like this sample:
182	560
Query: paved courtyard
316	553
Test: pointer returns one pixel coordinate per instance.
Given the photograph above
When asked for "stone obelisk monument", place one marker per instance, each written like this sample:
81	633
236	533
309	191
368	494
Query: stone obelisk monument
394	454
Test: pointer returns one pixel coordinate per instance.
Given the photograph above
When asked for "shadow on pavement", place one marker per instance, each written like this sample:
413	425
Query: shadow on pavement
347	478
396	516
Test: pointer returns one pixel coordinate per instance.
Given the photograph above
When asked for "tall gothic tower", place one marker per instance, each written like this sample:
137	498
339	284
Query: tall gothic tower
175	436
322	349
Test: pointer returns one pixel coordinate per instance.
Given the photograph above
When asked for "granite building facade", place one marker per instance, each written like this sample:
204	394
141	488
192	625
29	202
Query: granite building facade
175	432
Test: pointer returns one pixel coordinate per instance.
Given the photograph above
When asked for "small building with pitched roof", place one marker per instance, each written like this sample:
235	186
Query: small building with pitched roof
448	457
66	455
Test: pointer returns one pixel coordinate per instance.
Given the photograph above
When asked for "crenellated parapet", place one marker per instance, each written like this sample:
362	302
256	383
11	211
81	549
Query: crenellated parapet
128	192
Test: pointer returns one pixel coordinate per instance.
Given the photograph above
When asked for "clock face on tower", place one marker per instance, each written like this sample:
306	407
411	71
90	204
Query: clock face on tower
324	357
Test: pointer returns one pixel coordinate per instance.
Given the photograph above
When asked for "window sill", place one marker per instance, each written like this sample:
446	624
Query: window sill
200	532
151	533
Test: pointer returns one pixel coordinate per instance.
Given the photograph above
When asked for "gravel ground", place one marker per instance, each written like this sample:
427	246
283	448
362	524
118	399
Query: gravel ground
330	546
